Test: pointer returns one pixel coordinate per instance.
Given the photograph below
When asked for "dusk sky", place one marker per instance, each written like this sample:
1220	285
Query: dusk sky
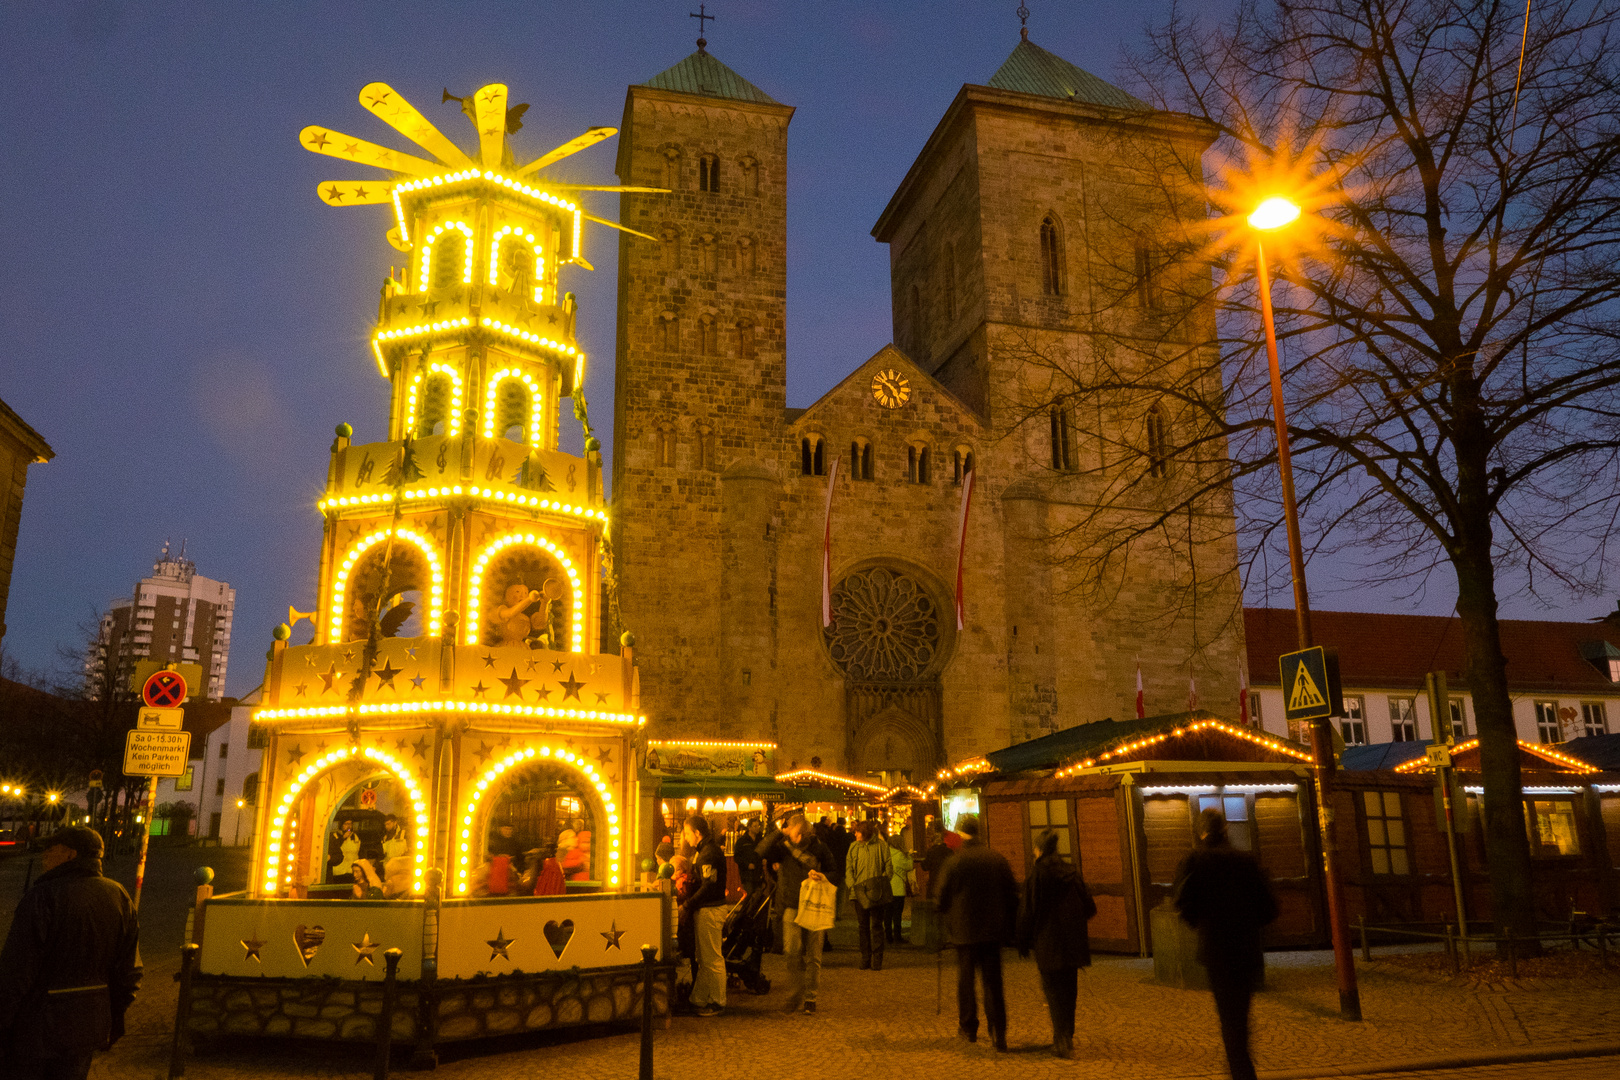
185	323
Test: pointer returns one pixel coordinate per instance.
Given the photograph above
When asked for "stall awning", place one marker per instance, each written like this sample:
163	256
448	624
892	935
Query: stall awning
699	787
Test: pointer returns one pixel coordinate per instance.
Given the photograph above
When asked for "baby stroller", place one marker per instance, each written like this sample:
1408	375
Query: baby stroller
745	936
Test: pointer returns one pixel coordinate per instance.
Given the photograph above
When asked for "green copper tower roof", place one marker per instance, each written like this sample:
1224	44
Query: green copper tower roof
1032	70
701	73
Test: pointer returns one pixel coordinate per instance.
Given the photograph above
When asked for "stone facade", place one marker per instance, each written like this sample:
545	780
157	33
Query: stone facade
720	490
20	447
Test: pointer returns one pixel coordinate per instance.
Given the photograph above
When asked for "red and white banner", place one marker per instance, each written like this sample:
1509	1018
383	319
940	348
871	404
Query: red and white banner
1243	693
1192	694
961	547
1141	703
826	550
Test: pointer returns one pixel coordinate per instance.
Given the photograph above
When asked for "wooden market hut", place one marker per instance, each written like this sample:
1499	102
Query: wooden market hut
1124	797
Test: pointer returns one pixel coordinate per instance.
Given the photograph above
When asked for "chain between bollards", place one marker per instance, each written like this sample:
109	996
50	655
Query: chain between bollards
182	1012
385	1022
648	954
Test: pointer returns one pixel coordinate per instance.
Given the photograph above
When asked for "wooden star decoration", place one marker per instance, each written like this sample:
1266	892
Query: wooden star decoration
479	689
328	677
420	747
542	694
604	757
514	685
309	658
499	945
295	754
489	659
333	193
572	687
348	655
530	665
417	681
399	747
301	689
483	751
385	675
557	665
364	948
601	699
253	945
612	936
410	652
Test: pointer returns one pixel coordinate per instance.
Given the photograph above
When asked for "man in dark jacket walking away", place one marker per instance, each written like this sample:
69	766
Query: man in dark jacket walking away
798	855
70	966
978	901
1052	922
1224	895
706	910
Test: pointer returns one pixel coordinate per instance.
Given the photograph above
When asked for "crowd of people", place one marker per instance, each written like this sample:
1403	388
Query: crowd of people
1221	892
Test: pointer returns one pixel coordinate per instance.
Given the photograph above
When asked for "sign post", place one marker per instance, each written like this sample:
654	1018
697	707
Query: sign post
157	747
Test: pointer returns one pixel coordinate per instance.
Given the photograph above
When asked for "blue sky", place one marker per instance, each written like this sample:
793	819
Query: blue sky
185	322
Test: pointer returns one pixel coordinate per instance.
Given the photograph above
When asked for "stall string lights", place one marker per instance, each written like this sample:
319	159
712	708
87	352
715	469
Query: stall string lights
492	395
334	631
729	743
1573	764
548	344
970	767
441	705
544	753
1261	740
831	778
516	187
495	547
274	877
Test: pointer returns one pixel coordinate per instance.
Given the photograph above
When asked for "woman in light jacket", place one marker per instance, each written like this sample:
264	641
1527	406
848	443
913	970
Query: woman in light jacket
867	872
892	931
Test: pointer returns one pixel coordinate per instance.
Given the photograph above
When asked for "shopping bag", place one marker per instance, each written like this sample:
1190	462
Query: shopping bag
818	901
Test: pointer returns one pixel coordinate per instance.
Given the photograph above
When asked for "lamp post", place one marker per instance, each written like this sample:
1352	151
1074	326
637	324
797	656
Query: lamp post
237	835
1272	214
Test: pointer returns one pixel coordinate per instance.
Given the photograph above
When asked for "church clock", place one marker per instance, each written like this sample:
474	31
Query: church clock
891	389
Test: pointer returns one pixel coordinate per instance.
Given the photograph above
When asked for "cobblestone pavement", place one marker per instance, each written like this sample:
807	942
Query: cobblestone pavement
870	1021
1600	1068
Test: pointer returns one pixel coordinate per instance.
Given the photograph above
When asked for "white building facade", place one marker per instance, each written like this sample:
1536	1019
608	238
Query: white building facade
174	616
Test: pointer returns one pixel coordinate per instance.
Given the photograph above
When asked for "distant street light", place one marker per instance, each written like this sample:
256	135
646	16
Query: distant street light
237	835
1275	213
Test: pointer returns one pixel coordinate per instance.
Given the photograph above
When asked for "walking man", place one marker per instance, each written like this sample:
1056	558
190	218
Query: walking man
978	901
1224	895
800	856
70	966
706	908
1052	923
868	871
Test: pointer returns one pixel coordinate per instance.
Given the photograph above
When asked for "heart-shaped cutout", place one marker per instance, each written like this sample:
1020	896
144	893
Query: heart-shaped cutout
308	940
558	935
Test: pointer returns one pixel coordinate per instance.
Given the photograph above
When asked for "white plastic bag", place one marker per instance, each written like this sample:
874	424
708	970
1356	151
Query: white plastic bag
818	902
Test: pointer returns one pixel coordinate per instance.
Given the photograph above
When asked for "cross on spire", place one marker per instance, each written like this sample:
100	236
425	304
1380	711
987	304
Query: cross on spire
1023	20
701	15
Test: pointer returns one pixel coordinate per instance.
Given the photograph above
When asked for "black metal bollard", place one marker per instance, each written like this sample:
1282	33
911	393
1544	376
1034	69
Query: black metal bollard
182	1012
1366	949
648	953
385	1022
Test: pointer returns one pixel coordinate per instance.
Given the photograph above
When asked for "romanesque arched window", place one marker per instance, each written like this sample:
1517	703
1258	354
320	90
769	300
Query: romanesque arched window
672	248
750	172
706	334
962	464
917	464
1148	262
1158	441
709	173
669	332
860	459
812	456
708	253
1051	257
672	167
745	338
707	448
666	444
747	255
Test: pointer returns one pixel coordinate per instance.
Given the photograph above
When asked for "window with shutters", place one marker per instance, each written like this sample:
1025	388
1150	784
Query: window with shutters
1386	832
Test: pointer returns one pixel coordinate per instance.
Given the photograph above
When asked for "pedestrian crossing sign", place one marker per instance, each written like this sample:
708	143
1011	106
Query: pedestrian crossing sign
1310	684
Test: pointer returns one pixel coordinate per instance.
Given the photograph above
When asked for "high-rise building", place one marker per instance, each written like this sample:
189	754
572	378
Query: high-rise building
174	616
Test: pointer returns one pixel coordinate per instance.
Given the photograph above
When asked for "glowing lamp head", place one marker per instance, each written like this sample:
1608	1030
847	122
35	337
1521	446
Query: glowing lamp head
1274	213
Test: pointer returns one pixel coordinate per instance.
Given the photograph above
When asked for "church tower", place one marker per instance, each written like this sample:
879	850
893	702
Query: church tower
1032	248
700	390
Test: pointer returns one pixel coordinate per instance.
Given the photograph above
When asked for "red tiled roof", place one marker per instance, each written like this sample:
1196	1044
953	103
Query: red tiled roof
1397	650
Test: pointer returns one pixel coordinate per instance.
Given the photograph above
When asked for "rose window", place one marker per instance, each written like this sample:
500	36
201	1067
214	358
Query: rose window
885	627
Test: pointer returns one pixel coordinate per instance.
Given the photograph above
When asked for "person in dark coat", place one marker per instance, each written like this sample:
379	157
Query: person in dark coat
1224	895
1052	924
978	902
70	966
749	871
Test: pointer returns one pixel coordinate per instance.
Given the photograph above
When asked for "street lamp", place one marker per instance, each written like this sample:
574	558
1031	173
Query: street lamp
1272	214
237	835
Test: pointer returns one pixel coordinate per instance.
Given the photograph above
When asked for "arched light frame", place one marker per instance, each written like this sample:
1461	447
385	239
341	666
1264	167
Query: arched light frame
340	583
453	423
475	586
469	814
424	277
492	395
276	879
517	232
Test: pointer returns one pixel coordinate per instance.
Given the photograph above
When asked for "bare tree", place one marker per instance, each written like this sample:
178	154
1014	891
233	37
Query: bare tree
1447	310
